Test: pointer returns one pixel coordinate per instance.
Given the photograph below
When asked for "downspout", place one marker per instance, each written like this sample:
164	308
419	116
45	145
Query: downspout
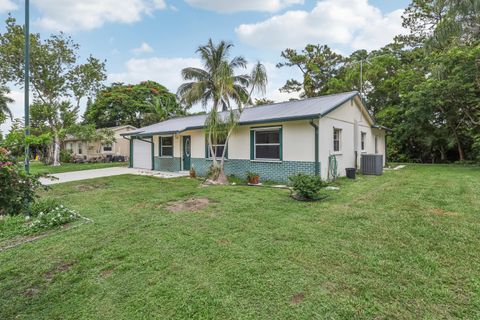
317	162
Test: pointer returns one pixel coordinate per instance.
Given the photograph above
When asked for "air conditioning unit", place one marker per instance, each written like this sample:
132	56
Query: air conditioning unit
371	164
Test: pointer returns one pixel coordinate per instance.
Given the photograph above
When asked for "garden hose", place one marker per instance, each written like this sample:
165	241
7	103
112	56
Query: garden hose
332	167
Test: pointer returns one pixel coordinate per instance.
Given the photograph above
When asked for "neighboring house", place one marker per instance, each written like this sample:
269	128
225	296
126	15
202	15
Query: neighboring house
276	140
88	150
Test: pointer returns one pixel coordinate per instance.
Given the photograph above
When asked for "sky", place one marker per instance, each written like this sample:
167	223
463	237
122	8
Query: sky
154	39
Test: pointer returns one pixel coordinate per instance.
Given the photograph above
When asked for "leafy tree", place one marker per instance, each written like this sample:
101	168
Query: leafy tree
263	101
318	64
4	101
218	83
55	75
138	105
15	140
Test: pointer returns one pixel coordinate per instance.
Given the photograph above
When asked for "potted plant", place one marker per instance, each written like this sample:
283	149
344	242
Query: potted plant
193	173
253	178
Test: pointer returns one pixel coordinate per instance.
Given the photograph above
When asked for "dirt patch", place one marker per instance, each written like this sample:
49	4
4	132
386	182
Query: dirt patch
106	273
191	205
88	187
297	298
58	269
441	212
32	292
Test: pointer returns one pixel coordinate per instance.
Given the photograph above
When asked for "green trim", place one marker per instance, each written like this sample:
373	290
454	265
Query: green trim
281	143
153	154
130	164
252	144
317	162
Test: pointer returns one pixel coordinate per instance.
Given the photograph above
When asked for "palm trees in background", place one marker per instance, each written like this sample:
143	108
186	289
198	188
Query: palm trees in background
5	112
228	92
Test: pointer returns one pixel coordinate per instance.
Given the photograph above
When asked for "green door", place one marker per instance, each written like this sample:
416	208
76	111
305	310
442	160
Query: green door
187	148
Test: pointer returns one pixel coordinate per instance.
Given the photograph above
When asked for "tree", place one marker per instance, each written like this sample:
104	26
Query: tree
318	64
138	105
218	83
4	101
263	101
55	75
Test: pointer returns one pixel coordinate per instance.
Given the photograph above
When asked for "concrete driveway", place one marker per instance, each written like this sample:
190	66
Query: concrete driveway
107	172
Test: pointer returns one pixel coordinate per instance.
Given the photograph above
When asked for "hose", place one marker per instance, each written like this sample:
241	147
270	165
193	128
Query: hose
332	167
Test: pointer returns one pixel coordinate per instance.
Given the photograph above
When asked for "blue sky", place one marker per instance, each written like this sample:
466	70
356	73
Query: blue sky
155	39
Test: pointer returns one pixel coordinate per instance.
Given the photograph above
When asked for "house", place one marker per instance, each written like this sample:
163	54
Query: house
88	150
275	141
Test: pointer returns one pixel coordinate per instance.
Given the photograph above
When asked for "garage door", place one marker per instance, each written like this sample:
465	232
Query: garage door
142	154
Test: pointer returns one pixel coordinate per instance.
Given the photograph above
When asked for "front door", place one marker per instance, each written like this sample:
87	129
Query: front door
187	148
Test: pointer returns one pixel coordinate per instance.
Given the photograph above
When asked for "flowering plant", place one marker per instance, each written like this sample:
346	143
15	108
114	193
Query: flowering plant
57	216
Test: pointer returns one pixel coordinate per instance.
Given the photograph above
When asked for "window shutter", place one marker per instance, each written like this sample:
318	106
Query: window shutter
281	143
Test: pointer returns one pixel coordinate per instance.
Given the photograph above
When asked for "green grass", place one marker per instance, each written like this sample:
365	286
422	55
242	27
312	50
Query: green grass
38	167
404	245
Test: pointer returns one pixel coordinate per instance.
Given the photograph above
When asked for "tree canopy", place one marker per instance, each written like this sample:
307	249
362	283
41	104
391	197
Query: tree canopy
137	105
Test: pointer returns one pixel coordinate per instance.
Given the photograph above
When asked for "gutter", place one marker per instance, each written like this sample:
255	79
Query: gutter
317	162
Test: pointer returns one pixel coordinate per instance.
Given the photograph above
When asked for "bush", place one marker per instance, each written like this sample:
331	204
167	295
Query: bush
17	189
306	186
66	156
53	218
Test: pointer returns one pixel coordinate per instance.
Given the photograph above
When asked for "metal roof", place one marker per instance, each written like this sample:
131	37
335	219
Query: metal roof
284	111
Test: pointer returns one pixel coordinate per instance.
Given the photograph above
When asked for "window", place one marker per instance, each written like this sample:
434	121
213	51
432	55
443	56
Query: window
376	144
107	148
337	133
218	149
363	138
267	144
166	146
80	148
70	146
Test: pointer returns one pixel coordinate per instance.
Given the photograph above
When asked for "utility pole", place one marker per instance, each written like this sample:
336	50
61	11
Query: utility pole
27	85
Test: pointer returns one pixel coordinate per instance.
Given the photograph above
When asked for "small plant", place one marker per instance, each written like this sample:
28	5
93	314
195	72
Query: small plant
253	177
43	205
306	187
193	173
51	219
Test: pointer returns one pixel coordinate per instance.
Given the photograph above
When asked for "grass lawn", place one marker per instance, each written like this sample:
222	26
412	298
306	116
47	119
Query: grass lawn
39	167
404	245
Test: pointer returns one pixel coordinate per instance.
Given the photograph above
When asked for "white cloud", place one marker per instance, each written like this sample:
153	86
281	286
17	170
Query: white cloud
7	5
144	48
70	15
228	6
165	71
353	23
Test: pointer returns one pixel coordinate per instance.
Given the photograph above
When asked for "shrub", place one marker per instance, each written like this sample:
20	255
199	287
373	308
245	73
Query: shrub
253	177
56	217
17	189
66	156
306	186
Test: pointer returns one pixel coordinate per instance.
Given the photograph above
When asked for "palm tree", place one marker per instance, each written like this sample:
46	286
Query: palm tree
4	101
218	83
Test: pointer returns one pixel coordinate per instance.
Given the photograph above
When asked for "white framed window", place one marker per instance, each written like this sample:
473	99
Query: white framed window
218	149
80	148
166	146
337	139
363	140
107	148
69	146
267	144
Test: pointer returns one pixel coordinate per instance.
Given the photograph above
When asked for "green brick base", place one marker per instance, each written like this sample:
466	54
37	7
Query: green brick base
167	164
267	170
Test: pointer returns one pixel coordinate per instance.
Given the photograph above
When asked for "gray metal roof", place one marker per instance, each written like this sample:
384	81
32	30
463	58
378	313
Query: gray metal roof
283	111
